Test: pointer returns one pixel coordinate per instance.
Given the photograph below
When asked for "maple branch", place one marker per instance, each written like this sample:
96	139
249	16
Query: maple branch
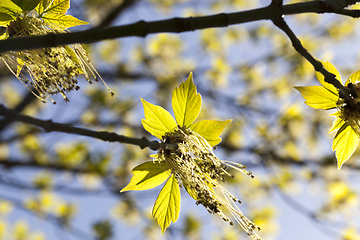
174	25
329	77
50	126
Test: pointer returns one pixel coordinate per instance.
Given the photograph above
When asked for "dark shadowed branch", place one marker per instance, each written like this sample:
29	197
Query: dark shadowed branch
50	126
174	25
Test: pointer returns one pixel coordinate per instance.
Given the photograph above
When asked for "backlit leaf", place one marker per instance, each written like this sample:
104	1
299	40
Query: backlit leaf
353	78
5	18
345	144
186	102
64	21
338	122
157	120
318	97
167	204
332	69
26	5
54	6
147	175
210	130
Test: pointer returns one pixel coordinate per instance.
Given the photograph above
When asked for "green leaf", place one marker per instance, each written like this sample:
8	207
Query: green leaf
332	69
353	78
8	12
345	144
167	204
5	18
157	120
210	130
338	122
26	5
318	97
3	36
53	6
147	175
186	102
63	21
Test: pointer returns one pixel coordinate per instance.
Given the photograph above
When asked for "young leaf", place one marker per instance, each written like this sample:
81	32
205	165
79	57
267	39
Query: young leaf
157	120
53	6
332	69
147	175
167	204
64	21
345	144
318	97
186	102
338	122
26	5
5	18
210	130
353	78
3	36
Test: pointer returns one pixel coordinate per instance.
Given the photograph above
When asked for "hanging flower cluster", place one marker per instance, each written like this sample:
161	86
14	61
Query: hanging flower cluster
192	165
51	70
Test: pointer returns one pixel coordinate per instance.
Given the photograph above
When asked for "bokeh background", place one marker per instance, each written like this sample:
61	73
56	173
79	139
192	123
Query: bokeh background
61	186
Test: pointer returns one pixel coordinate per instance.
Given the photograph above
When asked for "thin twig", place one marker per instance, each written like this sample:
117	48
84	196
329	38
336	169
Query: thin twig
50	126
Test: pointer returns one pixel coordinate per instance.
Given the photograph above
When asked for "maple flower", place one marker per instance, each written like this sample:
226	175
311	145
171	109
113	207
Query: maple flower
192	165
51	70
347	116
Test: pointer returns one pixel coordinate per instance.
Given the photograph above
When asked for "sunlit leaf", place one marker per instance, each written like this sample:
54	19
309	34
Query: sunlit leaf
3	36
353	78
54	6
26	5
5	19
64	21
210	130
186	102
147	175
167	204
318	97
332	69
157	120
345	144
338	122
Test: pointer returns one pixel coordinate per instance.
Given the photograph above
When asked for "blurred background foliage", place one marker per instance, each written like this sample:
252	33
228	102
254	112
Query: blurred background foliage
55	185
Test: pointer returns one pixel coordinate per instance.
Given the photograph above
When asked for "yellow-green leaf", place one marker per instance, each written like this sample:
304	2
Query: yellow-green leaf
210	130
63	21
147	175
54	6
353	78
167	204
345	144
318	97
186	102
338	122
332	69
26	5
3	36
157	120
5	18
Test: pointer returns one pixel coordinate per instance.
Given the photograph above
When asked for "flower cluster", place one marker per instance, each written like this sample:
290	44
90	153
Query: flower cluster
192	164
199	170
347	116
51	70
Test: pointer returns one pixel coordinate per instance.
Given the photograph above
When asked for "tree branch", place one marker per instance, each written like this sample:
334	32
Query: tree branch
115	12
50	126
329	77
174	25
